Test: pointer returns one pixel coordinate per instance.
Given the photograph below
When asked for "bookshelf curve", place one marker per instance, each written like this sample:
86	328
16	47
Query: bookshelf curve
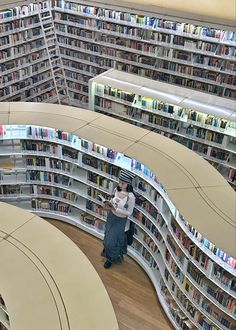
61	173
32	272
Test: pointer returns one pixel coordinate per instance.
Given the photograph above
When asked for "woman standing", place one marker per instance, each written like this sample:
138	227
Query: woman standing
115	244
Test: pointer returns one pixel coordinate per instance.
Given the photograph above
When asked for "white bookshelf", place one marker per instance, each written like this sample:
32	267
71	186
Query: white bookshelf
92	37
169	111
133	41
60	177
28	48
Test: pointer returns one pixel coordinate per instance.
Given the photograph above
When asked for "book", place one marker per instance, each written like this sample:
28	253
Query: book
106	201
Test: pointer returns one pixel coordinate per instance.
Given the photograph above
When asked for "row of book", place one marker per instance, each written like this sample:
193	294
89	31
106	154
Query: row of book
196	296
205	59
137	166
48	133
44	147
152	22
209	245
176	313
21	50
221	296
85	58
77	76
17	38
205	134
144	253
200	148
90	220
55	191
187	304
10	190
196	58
96	208
147	189
100	165
77	86
31	61
25	10
172	78
220	50
158	120
18	25
190	70
47	177
190	246
155	104
203	86
49	205
102	182
78	99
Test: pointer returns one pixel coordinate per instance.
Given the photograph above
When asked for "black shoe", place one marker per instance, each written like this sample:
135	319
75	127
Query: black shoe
107	264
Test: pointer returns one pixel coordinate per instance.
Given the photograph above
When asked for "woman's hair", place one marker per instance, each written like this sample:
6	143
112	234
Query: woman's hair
129	188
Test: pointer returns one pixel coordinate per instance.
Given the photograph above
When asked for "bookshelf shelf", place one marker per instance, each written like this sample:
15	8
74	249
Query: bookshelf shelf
199	57
170	112
66	168
215	52
26	37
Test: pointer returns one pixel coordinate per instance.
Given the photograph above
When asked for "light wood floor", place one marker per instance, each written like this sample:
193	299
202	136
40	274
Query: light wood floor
131	292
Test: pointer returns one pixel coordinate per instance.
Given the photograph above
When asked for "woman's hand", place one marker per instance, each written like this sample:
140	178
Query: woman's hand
107	206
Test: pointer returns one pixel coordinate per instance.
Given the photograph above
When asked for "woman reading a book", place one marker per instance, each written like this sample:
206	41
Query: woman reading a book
119	208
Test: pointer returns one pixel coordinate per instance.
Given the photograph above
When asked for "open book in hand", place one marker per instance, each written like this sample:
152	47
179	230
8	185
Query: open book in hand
106	201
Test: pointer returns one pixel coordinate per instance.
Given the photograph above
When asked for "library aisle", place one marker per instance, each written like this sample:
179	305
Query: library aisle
133	297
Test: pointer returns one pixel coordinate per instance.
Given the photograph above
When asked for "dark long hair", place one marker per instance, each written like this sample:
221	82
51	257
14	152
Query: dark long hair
129	188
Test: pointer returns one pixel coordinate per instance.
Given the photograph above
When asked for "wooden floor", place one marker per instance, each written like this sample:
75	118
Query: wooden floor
131	292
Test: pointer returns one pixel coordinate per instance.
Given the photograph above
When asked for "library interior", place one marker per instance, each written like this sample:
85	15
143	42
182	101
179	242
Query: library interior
117	165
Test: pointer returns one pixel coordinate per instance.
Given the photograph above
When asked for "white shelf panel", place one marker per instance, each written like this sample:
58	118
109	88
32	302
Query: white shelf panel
32	50
141	26
153	42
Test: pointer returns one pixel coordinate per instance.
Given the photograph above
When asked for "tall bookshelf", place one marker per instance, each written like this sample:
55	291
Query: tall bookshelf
93	37
57	174
30	63
194	56
204	124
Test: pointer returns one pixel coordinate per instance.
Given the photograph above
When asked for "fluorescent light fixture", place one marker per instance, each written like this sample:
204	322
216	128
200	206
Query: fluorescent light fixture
175	99
123	82
205	106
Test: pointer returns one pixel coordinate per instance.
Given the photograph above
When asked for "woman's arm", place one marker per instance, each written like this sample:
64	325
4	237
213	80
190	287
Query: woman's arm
130	208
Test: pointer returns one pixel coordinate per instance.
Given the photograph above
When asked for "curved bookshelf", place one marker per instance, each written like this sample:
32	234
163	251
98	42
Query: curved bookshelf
39	271
195	120
57	174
